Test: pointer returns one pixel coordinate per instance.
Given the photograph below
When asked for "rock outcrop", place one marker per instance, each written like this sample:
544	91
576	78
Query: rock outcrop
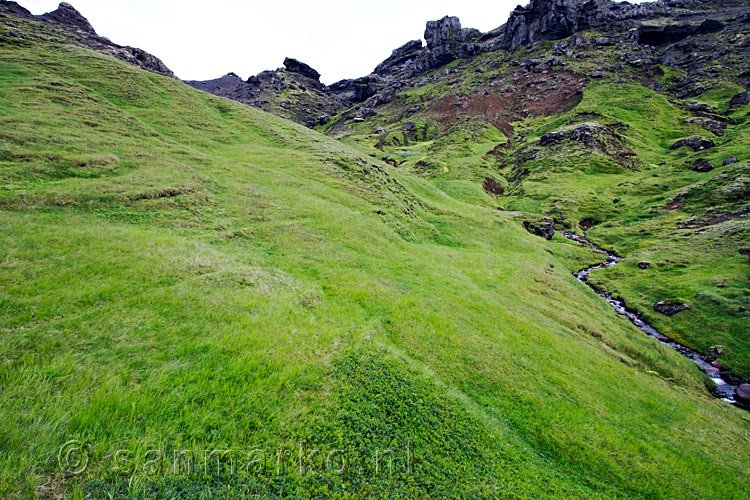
702	165
670	307
694	142
292	92
550	20
69	17
14	9
666	31
543	227
295	66
446	42
741	99
350	92
400	57
742	394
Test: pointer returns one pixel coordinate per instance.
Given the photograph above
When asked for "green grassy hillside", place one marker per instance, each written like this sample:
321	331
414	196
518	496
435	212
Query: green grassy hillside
473	130
183	277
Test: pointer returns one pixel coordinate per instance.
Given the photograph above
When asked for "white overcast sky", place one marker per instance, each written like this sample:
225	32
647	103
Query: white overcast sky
204	39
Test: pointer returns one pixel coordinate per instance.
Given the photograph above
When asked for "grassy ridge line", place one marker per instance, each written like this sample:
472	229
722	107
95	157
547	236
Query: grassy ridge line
137	313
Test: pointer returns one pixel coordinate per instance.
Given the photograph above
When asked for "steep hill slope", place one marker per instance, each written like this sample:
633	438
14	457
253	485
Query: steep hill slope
584	126
194	294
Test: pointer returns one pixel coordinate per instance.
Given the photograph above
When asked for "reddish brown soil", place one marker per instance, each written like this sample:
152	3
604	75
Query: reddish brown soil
675	205
493	187
716	220
520	95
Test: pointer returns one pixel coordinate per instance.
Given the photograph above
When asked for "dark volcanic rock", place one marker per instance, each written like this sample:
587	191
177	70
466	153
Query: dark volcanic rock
644	265
551	20
742	394
544	227
740	99
144	60
729	161
301	68
663	35
14	9
715	127
670	308
551	138
402	55
702	165
211	86
695	142
701	107
350	92
67	15
446	42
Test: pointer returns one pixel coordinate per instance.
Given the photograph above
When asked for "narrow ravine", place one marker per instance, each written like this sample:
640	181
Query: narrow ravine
724	390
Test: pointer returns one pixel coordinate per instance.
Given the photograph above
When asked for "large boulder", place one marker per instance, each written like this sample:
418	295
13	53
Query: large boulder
544	227
741	99
446	42
742	394
702	165
350	92
694	142
295	66
670	307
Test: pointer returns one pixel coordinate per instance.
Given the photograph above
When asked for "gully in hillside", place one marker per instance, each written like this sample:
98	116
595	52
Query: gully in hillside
726	391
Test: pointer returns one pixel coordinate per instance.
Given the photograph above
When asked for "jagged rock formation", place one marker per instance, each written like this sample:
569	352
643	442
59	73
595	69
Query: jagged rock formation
303	69
691	35
401	56
549	20
643	34
293	92
83	33
69	17
446	42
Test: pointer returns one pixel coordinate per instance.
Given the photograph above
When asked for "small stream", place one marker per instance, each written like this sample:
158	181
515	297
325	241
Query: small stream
724	390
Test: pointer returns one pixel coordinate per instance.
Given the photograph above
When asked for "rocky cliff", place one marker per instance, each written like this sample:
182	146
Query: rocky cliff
700	38
670	32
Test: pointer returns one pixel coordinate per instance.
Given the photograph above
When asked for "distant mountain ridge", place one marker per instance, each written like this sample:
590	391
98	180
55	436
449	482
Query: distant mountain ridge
447	41
295	91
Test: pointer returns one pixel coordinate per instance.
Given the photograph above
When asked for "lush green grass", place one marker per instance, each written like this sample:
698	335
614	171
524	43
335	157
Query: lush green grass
700	266
180	272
